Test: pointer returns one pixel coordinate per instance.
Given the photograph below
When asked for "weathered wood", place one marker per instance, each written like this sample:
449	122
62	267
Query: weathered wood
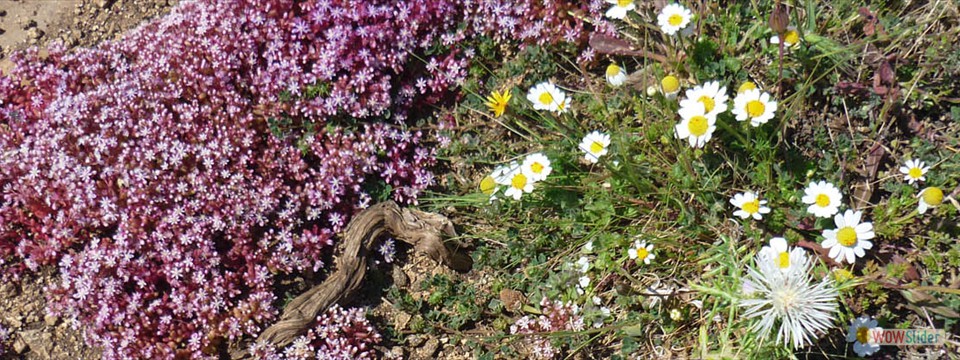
424	231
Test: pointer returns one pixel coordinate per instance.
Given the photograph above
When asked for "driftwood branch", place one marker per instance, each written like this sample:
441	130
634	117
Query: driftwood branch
424	231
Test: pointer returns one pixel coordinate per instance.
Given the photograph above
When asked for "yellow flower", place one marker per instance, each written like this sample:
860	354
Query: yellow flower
746	86
670	86
497	102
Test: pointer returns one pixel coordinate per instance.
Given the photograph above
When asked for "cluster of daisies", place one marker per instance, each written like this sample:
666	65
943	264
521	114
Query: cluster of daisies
780	289
516	178
703	103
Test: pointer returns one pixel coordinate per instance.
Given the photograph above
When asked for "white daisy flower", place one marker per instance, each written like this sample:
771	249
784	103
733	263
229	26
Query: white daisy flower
670	86
616	75
859	335
850	238
803	308
520	183
697	126
784	258
929	198
749	205
791	37
641	251
588	247
710	94
673	18
823	197
914	170
620	8
583	264
594	145
537	166
754	105
546	96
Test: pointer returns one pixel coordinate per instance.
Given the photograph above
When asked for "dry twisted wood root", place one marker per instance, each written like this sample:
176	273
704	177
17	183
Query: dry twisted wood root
425	231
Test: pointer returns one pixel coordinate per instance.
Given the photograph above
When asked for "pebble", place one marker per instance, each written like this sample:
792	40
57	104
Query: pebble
50	320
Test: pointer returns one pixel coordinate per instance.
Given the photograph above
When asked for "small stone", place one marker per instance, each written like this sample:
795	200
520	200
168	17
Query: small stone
50	320
428	349
28	23
3	13
20	346
34	33
14	321
39	342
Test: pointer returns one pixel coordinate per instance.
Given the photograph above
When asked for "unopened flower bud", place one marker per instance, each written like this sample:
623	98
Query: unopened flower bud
779	19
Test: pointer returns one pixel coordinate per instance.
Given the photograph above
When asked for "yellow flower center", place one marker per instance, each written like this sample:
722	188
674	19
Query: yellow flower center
847	236
783	260
675	20
746	87
670	84
755	108
536	167
497	102
823	200
791	37
519	181
487	185
863	334
933	196
915	173
546	98
624	3
642	253
613	70
698	125
596	147
751	207
708	103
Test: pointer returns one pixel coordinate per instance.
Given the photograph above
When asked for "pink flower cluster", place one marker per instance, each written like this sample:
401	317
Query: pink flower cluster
339	334
173	174
557	316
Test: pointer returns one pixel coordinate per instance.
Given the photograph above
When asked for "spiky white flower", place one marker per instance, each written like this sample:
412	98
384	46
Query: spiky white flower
803	309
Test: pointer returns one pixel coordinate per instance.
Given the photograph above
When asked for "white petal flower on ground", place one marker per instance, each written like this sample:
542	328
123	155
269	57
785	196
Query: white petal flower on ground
930	197
824	199
594	145
783	257
791	37
620	8
546	96
583	264
914	170
749	205
673	18
696	126
851	237
754	105
537	166
641	251
710	94
859	335
670	86
616	75
802	308
520	183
